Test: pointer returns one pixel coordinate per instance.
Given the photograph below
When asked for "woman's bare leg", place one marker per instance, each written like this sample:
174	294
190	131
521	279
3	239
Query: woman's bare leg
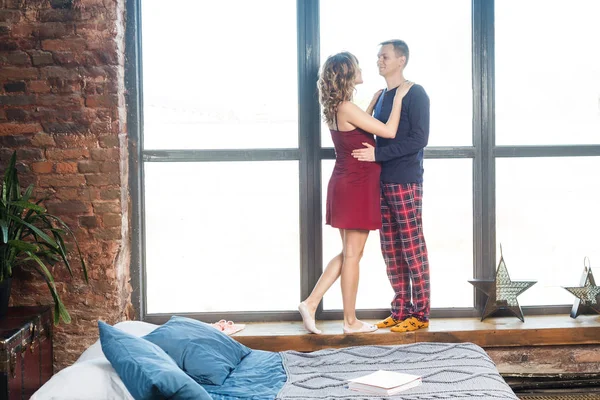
330	275
354	245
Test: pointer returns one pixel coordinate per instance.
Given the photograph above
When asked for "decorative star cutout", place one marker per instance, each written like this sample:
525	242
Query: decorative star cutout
502	292
587	295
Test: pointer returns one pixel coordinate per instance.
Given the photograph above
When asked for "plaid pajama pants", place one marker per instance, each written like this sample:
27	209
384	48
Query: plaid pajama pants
404	249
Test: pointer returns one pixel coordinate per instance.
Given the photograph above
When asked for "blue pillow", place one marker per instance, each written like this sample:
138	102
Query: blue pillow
203	352
146	370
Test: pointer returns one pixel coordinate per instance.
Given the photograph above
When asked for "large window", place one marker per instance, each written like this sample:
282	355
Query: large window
547	110
233	158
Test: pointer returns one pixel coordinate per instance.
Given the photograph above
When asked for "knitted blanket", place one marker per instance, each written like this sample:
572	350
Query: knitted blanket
448	371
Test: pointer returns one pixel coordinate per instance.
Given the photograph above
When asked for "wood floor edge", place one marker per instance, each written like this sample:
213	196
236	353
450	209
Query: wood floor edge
483	338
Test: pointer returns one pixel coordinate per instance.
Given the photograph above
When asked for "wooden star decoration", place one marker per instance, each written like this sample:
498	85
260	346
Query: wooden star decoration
502	292
587	294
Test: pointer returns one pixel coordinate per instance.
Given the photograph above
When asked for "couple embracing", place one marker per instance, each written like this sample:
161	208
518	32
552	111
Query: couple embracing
377	183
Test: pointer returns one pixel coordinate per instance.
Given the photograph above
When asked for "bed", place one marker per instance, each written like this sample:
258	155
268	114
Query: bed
448	371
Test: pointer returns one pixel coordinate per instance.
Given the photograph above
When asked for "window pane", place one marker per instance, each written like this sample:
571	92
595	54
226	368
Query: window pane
359	26
448	228
218	238
220	74
548	220
547	78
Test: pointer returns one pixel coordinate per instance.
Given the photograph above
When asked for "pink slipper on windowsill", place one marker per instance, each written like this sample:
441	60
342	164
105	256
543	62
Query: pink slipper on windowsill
228	327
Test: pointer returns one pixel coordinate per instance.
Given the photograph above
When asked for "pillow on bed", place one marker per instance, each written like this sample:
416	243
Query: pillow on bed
146	370
203	352
135	328
86	380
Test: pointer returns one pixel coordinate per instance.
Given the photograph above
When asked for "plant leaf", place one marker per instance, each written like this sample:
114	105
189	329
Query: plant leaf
4	227
23	246
59	308
35	229
61	222
27	205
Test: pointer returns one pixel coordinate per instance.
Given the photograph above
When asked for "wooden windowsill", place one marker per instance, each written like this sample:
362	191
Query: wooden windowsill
537	330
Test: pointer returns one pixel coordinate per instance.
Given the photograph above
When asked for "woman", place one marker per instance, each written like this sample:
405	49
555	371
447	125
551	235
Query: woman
353	191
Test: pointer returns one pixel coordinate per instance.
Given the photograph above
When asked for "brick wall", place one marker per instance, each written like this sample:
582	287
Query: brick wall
547	359
62	108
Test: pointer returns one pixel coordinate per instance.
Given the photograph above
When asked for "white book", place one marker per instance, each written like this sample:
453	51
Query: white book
384	382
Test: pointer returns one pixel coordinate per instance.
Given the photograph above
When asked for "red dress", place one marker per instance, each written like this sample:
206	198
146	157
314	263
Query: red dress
353	190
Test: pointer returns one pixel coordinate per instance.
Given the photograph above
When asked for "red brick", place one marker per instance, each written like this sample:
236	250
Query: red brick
110	194
86	4
66	168
68	207
112	220
106	57
77	141
102	179
18	100
111	154
69	74
65	86
43	140
107	72
62	181
18	114
14	87
15	141
22	30
15	128
30	154
111	206
100	127
73	193
108	141
38	87
87	167
8	44
109	167
65	127
67	154
41	58
101	101
44	167
89	221
18	73
69	100
15	58
10	16
64	15
53	30
108	233
64	44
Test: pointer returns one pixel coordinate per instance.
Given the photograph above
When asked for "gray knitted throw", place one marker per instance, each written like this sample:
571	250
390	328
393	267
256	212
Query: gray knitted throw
448	371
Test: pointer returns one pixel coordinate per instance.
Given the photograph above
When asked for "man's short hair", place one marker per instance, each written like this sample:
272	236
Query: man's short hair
400	47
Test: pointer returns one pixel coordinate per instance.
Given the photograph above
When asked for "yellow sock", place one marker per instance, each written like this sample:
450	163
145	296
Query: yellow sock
410	324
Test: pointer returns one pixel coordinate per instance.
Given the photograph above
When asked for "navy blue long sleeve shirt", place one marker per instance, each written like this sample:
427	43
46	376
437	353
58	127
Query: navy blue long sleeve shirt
401	158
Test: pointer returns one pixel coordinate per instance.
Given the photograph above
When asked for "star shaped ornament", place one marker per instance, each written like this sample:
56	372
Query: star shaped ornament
587	295
502	292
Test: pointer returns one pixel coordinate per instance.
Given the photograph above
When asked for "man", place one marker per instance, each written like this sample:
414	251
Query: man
402	241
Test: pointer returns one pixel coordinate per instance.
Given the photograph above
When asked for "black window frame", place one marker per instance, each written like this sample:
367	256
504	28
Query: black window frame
309	154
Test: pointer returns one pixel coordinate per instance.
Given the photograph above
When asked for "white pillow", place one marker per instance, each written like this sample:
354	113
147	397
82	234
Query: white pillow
92	377
136	328
86	380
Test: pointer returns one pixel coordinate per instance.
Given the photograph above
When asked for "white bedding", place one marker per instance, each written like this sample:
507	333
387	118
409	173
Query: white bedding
92	377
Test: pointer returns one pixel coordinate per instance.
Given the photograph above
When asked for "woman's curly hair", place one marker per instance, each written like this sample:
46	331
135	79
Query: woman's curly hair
336	83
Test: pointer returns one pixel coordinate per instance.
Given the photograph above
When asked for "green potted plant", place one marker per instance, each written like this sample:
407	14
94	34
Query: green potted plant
31	235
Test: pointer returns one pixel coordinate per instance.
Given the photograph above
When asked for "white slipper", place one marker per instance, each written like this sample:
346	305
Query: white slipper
365	328
309	322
